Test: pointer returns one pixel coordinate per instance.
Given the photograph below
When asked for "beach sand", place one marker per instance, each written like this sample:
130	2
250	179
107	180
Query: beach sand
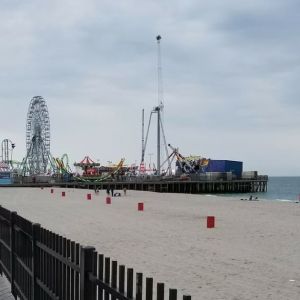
252	253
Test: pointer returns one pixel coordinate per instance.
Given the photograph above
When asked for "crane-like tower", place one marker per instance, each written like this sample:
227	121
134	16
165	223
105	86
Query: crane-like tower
157	110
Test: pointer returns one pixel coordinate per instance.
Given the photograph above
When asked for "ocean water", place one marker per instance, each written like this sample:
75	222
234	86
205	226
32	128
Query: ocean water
279	188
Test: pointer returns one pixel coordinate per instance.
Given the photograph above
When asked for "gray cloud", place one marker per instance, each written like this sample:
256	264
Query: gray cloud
230	70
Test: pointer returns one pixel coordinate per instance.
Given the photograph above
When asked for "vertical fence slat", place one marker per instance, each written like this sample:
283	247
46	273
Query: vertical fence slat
35	237
72	295
44	256
57	275
53	241
53	263
187	297
149	289
1	236
122	279
107	276
129	282
100	274
114	274
94	271
77	283
160	291
87	288
64	274
60	266
68	256
139	286
172	294
43	231
13	215
50	258
48	266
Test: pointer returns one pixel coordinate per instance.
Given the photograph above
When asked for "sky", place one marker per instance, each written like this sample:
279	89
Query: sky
230	70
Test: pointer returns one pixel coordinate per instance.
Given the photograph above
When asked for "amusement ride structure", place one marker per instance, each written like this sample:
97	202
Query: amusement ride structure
62	165
160	129
92	171
38	158
186	165
7	147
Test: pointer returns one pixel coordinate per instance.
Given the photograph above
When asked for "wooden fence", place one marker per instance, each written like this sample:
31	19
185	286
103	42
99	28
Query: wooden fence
42	265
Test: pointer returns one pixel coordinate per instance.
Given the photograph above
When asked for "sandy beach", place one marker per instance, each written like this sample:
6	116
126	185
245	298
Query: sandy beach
252	253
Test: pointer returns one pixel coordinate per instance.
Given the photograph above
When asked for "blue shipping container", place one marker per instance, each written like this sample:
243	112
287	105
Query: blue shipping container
236	167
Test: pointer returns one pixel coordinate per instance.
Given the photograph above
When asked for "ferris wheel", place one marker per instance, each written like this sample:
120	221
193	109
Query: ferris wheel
37	138
38	122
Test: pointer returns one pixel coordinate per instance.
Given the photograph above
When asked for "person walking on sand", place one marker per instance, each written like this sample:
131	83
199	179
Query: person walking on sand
124	190
112	192
107	191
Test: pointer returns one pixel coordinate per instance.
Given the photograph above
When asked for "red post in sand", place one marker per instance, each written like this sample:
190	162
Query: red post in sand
140	206
108	200
210	222
88	196
63	194
51	191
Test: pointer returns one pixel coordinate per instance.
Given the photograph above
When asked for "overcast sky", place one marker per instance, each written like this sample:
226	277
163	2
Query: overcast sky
231	73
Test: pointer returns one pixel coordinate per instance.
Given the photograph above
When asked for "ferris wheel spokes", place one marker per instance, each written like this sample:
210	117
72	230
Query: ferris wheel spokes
38	155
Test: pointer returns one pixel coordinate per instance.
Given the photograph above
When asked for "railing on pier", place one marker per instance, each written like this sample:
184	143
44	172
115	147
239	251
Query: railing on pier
42	265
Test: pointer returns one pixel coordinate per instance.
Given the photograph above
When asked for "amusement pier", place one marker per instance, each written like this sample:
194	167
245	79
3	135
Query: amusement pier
173	172
176	174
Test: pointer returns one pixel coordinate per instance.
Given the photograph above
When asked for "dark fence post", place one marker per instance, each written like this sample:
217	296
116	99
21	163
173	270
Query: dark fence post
160	291
122	279
87	288
0	247
187	297
130	283
35	237
107	276
13	215
172	294
114	274
149	288
139	286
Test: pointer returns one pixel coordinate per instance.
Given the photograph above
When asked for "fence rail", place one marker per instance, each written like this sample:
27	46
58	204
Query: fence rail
42	265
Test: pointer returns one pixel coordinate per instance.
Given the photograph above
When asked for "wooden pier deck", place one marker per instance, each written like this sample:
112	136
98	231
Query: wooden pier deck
162	185
190	187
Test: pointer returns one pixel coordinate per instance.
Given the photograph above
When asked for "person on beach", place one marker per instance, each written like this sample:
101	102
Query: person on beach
112	192
124	190
107	191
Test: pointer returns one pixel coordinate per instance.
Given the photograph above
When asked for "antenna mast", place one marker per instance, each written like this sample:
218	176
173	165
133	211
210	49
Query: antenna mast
157	110
160	100
143	139
160	90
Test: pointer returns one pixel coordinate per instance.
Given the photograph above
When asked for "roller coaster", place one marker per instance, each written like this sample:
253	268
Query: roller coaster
62	165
